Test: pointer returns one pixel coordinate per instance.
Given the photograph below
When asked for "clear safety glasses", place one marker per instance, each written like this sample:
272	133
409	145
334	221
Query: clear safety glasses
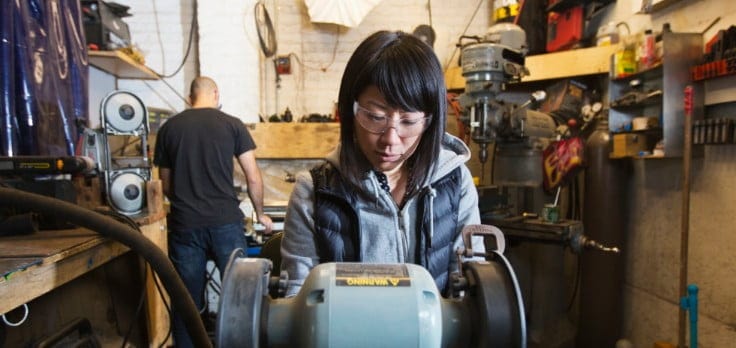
409	124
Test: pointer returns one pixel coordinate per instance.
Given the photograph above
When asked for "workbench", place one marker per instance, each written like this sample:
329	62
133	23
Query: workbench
35	265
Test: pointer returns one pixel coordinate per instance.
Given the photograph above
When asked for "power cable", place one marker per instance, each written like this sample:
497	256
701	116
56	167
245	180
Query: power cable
463	33
165	302
429	9
158	35
332	60
124	234
137	309
194	25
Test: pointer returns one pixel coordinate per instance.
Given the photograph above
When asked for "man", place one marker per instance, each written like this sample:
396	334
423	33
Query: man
194	153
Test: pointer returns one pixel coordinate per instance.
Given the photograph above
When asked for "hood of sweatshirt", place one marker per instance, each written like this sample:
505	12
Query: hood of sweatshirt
453	153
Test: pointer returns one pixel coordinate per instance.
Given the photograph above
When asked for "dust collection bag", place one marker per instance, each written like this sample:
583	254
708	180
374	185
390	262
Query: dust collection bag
44	77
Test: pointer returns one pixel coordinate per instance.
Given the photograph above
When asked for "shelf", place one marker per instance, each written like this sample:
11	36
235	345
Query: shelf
649	100
120	65
720	90
563	5
650	73
648	131
669	78
549	66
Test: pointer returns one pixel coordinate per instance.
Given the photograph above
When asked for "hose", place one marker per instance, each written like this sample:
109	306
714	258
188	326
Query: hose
124	234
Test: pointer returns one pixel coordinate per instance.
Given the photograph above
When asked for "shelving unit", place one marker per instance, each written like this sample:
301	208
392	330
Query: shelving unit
671	76
120	65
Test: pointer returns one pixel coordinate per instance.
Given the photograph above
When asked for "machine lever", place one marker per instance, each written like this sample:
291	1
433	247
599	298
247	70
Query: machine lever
591	244
536	97
580	241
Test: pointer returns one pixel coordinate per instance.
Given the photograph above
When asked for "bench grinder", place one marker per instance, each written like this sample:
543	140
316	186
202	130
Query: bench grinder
374	305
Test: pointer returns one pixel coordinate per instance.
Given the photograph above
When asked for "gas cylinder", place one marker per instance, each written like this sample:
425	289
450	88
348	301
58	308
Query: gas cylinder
604	220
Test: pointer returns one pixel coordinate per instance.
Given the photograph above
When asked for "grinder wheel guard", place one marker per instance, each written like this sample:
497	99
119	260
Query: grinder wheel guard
326	312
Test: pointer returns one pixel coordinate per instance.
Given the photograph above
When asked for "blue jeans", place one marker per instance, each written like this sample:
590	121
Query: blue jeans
189	250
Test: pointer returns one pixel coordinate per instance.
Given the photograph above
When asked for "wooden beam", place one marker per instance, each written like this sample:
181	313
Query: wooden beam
294	140
120	65
549	66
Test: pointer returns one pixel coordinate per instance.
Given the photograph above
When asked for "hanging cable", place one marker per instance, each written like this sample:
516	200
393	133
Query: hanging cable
162	97
124	234
454	52
19	322
194	25
429	9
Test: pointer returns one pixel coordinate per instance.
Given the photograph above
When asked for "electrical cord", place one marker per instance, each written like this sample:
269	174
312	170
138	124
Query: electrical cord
332	60
165	302
19	322
429	10
576	283
186	102
127	236
454	52
189	42
120	217
138	309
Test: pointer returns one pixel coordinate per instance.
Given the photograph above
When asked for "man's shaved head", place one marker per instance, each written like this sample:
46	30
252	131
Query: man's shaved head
202	89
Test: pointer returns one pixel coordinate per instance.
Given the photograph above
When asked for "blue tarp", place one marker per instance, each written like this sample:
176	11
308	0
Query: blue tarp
44	77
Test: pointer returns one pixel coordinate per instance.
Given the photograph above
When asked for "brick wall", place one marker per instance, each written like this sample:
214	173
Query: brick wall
227	49
160	29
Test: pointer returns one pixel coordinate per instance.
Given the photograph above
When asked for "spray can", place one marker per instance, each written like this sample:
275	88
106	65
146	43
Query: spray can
647	51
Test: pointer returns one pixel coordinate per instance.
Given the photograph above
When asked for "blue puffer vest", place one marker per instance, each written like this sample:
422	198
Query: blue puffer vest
336	221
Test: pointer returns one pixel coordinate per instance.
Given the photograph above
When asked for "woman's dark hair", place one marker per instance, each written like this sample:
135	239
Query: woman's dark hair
409	75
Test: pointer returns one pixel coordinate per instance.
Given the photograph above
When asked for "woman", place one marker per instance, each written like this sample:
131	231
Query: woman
396	189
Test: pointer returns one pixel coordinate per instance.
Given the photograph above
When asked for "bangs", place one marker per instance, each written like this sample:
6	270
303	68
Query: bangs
395	75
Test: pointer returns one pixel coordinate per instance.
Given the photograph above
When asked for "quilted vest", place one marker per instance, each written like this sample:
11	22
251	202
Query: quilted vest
337	222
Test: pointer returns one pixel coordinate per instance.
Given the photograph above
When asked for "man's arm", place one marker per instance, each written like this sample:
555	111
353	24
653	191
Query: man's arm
165	175
247	161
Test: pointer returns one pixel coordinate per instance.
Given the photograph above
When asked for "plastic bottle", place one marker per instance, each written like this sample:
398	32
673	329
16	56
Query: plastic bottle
625	57
659	42
607	35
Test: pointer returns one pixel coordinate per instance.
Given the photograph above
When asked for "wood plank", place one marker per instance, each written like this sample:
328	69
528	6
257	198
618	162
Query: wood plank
120	65
158	315
579	62
294	140
8	266
35	281
46	243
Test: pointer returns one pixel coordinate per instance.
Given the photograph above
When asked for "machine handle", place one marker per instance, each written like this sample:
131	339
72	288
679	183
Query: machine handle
580	242
486	230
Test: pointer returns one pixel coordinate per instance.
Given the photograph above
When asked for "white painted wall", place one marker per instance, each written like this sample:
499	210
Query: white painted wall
160	30
228	49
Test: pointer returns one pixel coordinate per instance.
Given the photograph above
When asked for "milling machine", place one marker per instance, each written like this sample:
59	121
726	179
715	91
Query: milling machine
518	134
516	199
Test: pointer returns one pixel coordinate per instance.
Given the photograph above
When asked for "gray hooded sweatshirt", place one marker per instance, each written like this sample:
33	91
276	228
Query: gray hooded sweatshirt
386	235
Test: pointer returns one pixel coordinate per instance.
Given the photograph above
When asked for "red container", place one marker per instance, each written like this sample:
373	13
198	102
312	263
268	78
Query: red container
564	29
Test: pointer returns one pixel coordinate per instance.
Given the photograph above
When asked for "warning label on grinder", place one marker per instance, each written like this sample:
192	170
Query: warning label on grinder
371	275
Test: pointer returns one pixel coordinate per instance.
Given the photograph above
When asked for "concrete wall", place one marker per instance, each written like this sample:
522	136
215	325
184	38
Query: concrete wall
651	294
228	50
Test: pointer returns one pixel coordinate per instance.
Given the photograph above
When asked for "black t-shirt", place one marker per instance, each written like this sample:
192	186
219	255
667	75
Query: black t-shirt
198	146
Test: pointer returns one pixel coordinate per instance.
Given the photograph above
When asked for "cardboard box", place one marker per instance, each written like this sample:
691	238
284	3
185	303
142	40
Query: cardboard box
630	145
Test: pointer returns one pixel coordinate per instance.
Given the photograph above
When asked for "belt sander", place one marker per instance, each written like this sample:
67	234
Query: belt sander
374	305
